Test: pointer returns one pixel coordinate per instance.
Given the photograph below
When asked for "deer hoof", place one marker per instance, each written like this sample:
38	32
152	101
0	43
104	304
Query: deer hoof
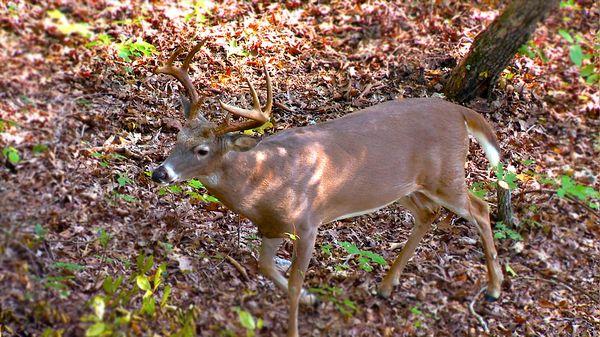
384	292
492	296
309	299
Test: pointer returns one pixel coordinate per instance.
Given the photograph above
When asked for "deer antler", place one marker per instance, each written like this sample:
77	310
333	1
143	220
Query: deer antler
181	74
258	115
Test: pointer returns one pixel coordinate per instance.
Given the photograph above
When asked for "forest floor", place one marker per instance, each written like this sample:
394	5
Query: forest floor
84	119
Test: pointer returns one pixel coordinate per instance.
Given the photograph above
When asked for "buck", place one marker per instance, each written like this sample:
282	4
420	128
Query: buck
410	151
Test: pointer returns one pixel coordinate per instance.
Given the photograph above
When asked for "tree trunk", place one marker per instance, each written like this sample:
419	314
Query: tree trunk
505	211
494	48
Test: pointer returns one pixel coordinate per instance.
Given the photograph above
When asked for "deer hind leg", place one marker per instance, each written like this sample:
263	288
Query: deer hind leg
479	210
266	265
474	210
424	211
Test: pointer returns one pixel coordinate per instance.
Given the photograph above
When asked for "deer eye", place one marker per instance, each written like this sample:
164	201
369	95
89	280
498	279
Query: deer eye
201	150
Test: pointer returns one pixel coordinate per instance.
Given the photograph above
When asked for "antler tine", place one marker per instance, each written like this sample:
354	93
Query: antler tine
181	74
258	115
269	104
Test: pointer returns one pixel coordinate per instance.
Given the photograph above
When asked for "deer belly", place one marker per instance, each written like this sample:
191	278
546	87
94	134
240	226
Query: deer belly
367	211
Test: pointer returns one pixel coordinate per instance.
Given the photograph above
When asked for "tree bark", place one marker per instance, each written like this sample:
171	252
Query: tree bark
494	48
505	211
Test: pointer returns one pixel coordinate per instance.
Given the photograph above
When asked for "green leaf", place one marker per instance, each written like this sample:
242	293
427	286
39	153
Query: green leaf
123	180
68	266
350	248
39	231
194	183
416	311
95	330
210	198
509	270
246	319
566	35
55	14
111	285
126	197
175	189
576	54
159	274
12	155
142	282
593	78
148	305
478	189
99	306
374	257
144	263
587	70
326	249
165	296
39	148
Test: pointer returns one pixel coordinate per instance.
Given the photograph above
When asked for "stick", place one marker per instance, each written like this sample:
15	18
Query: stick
478	316
544	191
238	266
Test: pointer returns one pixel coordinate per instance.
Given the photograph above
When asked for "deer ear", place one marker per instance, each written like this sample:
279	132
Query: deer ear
243	143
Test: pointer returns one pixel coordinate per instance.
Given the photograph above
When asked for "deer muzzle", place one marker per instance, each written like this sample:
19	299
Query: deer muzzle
163	175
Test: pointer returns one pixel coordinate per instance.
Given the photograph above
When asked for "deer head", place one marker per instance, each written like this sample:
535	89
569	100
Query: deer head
200	143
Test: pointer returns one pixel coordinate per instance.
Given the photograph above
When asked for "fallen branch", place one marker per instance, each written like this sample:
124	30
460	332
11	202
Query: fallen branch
238	266
478	316
550	191
557	282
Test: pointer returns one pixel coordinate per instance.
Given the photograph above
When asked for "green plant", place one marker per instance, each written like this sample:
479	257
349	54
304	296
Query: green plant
531	50
103	237
364	257
69	266
123	180
130	48
5	124
506	179
39	148
126	197
344	305
59	283
200	8
479	189
326	249
111	314
509	270
577	56
501	231
248	322
417	313
66	27
100	40
11	154
586	194
232	49
40	232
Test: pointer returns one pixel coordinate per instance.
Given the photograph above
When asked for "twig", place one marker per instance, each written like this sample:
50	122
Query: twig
571	288
282	107
550	191
478	316
238	266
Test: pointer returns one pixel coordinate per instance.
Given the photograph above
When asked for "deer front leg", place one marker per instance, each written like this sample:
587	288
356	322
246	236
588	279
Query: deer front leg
303	250
266	265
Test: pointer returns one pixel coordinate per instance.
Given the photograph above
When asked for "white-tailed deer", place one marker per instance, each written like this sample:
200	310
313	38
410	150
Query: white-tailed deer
412	151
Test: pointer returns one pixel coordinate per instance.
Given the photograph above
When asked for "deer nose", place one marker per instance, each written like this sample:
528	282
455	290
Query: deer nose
160	175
